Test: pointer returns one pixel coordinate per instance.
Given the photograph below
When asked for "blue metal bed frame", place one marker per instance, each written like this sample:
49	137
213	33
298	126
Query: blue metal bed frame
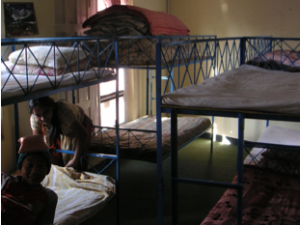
226	54
79	41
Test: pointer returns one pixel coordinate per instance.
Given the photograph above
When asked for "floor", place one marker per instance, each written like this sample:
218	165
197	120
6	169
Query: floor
137	199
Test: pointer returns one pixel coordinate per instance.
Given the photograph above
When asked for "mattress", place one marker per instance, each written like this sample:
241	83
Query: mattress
80	195
268	198
141	145
245	88
12	87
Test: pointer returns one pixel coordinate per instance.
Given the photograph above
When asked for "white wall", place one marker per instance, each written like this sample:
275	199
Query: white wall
44	12
221	17
230	18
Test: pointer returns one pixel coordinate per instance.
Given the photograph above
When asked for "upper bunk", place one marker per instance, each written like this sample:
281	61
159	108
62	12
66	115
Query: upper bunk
39	67
256	76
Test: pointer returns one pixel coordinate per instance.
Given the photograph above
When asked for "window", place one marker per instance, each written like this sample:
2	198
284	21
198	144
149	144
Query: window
108	101
107	89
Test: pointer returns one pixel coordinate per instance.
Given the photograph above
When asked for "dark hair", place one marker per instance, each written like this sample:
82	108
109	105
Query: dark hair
54	128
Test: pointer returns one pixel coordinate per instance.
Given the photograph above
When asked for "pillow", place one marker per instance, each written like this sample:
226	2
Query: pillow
287	60
286	57
41	52
36	70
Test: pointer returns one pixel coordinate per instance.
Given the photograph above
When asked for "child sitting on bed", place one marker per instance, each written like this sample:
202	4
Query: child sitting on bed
23	199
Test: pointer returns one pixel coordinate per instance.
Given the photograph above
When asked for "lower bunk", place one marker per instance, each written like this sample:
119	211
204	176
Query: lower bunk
137	139
268	198
271	190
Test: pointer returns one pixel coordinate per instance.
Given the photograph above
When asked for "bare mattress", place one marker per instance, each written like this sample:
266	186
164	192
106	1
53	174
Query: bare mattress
141	144
244	88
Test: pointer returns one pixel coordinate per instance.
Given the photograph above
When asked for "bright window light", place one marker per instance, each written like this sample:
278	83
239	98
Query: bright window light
108	108
100	5
225	141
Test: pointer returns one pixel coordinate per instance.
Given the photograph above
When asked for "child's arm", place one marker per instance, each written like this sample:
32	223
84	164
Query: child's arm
47	217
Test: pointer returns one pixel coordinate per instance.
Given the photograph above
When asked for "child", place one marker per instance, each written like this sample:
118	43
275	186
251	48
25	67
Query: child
69	128
23	199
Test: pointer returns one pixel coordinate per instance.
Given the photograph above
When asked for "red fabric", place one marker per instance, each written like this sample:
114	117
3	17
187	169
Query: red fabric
285	57
269	198
20	204
159	23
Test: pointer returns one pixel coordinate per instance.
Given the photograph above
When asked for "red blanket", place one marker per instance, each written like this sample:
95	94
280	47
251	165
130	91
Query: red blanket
159	23
268	199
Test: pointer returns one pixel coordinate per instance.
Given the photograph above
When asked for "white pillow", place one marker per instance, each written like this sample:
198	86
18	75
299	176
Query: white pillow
40	52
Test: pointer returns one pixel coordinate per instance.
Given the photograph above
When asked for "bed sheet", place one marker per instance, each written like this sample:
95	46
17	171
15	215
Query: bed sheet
80	194
12	88
244	88
268	198
142	146
274	135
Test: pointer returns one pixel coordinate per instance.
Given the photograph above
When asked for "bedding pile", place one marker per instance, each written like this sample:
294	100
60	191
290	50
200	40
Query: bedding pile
121	20
80	194
47	60
46	67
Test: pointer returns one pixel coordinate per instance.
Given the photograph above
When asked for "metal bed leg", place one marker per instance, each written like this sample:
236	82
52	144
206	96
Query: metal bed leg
174	168
159	134
117	135
241	127
17	134
212	135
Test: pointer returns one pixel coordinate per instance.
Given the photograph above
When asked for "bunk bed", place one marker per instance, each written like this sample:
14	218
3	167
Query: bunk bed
267	93
44	66
32	68
137	139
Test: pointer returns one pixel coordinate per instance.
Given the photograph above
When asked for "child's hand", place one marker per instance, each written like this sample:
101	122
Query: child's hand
72	163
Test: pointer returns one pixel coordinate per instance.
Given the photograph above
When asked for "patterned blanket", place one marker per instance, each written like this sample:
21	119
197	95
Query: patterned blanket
268	199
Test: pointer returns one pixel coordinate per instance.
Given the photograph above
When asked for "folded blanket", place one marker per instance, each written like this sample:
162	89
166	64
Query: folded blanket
158	23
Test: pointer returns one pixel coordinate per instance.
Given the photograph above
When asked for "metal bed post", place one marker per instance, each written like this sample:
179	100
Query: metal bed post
151	92
117	133
16	115
17	133
241	127
147	93
159	134
174	167
212	134
242	50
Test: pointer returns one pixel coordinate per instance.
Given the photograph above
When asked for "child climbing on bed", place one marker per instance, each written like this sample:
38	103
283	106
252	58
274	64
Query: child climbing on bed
23	199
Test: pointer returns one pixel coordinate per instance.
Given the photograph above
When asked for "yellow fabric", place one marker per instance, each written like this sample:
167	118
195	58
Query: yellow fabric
80	195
